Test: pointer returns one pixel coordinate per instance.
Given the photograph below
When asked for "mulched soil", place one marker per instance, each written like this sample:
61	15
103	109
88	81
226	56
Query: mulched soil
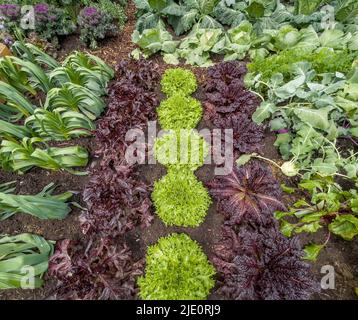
340	254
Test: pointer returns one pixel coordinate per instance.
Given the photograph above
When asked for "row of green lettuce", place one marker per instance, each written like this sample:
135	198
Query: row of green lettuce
179	198
304	68
237	29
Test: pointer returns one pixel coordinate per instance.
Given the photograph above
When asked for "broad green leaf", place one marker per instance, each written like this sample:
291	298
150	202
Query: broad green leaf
287	189
345	226
287	228
264	112
312	251
255	10
317	118
244	159
309	228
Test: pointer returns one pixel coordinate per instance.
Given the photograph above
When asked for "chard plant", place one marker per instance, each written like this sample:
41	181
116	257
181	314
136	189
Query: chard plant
327	206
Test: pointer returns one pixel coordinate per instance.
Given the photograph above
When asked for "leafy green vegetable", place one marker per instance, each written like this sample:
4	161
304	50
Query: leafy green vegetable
17	254
76	98
179	81
181	199
307	7
152	41
177	269
17	106
181	149
329	206
179	112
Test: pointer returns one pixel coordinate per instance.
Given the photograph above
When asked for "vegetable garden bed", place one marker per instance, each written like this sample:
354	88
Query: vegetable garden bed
113	235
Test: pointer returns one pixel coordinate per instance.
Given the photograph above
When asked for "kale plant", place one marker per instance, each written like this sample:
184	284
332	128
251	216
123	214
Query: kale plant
95	25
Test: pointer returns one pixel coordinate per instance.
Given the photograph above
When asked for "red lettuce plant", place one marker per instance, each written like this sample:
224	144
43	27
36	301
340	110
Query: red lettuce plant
225	89
262	264
102	270
131	105
249	193
229	106
117	202
141	73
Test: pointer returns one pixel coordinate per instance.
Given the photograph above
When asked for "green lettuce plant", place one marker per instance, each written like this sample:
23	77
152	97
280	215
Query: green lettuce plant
177	269
180	199
180	112
20	252
179	80
181	149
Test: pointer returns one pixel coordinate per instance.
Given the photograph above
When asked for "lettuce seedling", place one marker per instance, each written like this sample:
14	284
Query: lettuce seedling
181	199
177	269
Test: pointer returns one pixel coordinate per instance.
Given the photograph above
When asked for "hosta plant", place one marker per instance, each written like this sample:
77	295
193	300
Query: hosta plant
178	80
250	193
262	265
19	253
24	155
177	269
59	124
43	205
180	199
181	149
179	112
330	206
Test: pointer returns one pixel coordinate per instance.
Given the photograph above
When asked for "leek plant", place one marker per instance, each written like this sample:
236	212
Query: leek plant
16	105
76	98
44	205
18	253
59	124
24	155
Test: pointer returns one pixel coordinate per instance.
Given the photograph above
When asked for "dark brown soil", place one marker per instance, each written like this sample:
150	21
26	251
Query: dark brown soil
340	254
